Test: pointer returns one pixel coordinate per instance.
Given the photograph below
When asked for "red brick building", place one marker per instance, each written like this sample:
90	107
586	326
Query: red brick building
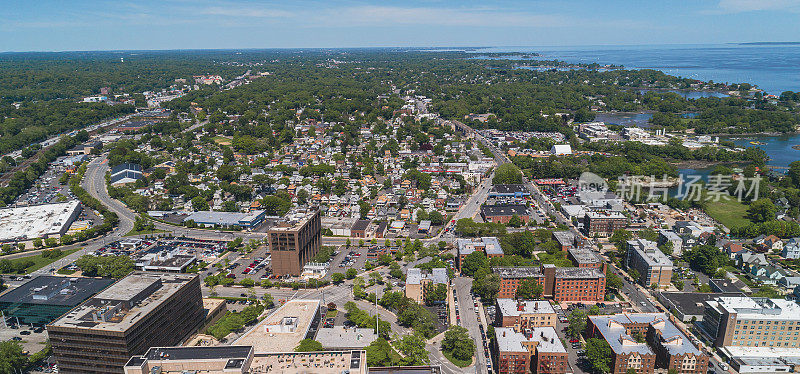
537	350
561	284
645	342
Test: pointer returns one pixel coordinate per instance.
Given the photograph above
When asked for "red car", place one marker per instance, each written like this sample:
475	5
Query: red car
574	340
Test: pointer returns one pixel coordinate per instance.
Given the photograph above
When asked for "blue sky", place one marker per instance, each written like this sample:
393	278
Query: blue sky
59	25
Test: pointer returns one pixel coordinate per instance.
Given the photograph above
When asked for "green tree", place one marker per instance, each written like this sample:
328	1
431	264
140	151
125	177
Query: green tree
199	204
472	262
458	343
577	322
529	289
599	353
381	353
434	293
507	174
337	278
351	273
762	210
11	357
413	348
308	345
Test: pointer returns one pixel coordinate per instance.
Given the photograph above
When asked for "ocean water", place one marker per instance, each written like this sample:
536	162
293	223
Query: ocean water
773	68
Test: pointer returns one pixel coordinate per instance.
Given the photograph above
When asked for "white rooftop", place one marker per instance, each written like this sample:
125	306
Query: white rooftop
36	221
510	307
757	308
545	338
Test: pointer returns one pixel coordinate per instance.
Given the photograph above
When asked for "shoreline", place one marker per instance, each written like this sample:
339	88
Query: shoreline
702	164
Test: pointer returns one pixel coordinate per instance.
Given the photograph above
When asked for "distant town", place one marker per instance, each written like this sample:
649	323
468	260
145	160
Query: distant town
342	214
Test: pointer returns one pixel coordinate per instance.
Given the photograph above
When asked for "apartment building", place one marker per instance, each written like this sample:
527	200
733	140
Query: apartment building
561	284
140	311
490	246
294	241
416	281
536	350
522	315
645	342
654	267
752	322
603	223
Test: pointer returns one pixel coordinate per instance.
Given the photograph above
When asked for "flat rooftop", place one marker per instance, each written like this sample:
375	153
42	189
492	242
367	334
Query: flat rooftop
584	256
52	290
340	337
504	210
510	307
517	272
325	362
649	252
691	303
545	338
222	218
508	189
437	276
489	244
36	221
283	329
579	273
294	220
757	308
124	303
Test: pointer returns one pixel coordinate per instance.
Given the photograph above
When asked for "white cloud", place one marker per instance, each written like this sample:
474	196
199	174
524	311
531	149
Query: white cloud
738	6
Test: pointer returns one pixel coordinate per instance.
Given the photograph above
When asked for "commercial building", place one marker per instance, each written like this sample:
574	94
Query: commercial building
359	229
516	191
416	281
125	173
489	245
689	306
753	360
140	311
752	322
178	360
562	284
283	329
644	342
41	300
504	213
227	219
537	350
170	261
294	241
523	315
654	267
603	223
37	221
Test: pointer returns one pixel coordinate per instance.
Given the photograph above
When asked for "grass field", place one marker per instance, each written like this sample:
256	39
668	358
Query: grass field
457	362
221	140
39	261
730	213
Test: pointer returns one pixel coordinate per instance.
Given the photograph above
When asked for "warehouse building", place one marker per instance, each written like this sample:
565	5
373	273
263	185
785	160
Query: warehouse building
38	221
227	219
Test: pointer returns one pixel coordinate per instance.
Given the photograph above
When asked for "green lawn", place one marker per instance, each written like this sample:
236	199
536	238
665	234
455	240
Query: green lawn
730	213
221	140
455	361
39	261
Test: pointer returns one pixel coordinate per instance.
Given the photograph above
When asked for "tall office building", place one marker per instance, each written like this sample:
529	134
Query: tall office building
140	311
294	241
